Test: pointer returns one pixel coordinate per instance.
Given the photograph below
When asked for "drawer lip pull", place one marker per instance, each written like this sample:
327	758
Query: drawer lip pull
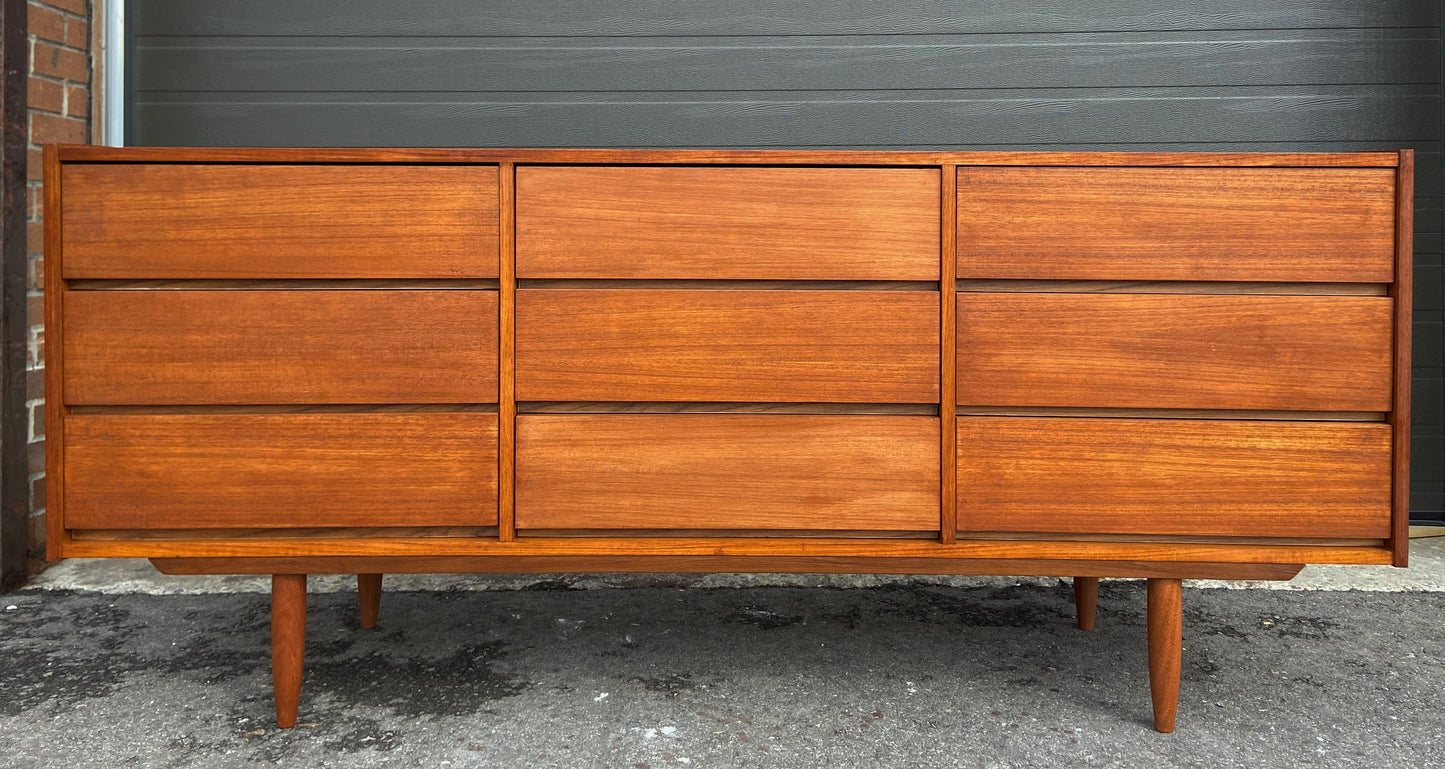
280	347
1238	224
1179	351
1174	477
267	221
727	471
722	222
130	471
767	346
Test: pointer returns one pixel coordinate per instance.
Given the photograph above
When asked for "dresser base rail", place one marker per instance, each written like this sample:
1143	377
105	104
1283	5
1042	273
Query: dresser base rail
724	564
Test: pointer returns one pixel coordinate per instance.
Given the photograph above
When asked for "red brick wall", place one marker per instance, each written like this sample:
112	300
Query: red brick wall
59	96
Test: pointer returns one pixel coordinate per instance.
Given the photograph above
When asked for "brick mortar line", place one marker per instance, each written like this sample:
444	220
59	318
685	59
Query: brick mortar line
50	113
62	45
56	44
62	11
57	80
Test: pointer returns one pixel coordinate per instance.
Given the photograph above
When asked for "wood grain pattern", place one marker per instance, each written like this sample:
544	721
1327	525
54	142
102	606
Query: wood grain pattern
1113	413
339	155
1086	601
948	388
56	534
1402	290
1060	548
288	644
1323	225
1166	621
352	532
789	346
727	471
368	597
723	407
691	222
276	347
727	563
1186	477
507	370
1175	351
280	221
1173	287
281	470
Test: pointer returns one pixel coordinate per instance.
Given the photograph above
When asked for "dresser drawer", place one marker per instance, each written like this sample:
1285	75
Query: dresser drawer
778	346
1174	477
1244	224
279	221
198	471
1306	353
260	347
728	471
728	223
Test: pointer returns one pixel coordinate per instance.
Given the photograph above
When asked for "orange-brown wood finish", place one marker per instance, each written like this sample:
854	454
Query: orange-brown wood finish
255	347
56	531
288	644
1325	353
281	470
948	389
1159	365
1066	550
1402	292
1086	601
1166	621
730	345
84	153
507	362
275	221
1177	476
1303	224
727	471
368	597
719	222
723	563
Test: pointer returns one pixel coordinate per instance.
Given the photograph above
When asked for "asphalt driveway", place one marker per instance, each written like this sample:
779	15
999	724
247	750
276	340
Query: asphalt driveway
676	672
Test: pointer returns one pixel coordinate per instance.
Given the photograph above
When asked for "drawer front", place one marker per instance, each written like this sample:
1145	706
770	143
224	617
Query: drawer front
764	346
728	223
1246	224
199	471
259	347
727	472
279	221
1303	353
1174	477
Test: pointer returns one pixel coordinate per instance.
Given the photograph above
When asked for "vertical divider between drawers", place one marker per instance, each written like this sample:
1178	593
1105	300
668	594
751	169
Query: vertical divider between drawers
507	356
1402	292
947	365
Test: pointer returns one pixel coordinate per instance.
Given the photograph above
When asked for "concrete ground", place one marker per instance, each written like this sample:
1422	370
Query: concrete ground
110	664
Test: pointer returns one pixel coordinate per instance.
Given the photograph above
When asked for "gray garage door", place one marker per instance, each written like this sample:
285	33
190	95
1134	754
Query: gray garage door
976	74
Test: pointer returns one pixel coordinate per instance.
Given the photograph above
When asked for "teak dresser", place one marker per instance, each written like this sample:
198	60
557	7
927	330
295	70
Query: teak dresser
1089	365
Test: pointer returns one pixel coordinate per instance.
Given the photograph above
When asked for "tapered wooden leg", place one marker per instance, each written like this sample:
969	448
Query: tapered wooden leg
368	592
1086	600
288	643
1166	620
